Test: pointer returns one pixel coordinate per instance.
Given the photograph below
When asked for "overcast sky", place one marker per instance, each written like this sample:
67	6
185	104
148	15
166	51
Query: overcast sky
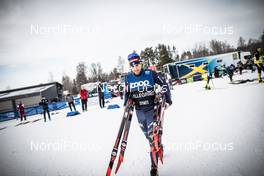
38	37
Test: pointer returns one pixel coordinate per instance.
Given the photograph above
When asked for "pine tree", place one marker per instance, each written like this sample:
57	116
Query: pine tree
74	88
148	56
67	83
164	56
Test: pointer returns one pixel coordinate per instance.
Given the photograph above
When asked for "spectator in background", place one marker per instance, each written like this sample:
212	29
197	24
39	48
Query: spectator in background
120	89
251	66
21	111
258	61
84	98
100	90
230	72
70	100
216	72
45	105
240	67
208	78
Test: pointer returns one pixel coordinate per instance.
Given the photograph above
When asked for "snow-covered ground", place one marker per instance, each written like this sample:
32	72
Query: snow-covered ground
215	132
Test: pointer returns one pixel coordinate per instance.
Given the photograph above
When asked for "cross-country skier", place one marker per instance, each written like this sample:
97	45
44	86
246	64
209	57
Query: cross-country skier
230	71
140	87
258	61
240	67
208	78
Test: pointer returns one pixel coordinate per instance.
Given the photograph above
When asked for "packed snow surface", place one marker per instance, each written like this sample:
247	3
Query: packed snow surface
215	132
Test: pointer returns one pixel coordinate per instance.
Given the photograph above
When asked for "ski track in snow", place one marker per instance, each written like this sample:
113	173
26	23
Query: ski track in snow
229	116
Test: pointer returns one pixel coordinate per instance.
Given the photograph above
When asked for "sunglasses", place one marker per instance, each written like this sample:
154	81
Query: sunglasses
134	65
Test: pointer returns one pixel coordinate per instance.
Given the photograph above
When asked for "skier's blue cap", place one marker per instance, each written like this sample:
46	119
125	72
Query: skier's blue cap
133	59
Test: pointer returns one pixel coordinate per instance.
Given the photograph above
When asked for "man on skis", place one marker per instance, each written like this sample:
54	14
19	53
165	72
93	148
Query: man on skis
140	87
208	78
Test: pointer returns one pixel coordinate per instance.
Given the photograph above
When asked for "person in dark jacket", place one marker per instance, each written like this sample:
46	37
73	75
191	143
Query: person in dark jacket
45	105
240	67
230	72
120	89
216	72
140	88
100	89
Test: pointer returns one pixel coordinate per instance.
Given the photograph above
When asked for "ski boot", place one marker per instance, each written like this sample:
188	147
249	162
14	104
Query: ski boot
154	171
207	87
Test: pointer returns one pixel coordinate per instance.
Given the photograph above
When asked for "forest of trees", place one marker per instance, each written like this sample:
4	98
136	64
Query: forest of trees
93	73
155	56
163	54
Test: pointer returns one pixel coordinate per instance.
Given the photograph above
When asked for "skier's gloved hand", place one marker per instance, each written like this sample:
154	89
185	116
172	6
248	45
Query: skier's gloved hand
158	97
